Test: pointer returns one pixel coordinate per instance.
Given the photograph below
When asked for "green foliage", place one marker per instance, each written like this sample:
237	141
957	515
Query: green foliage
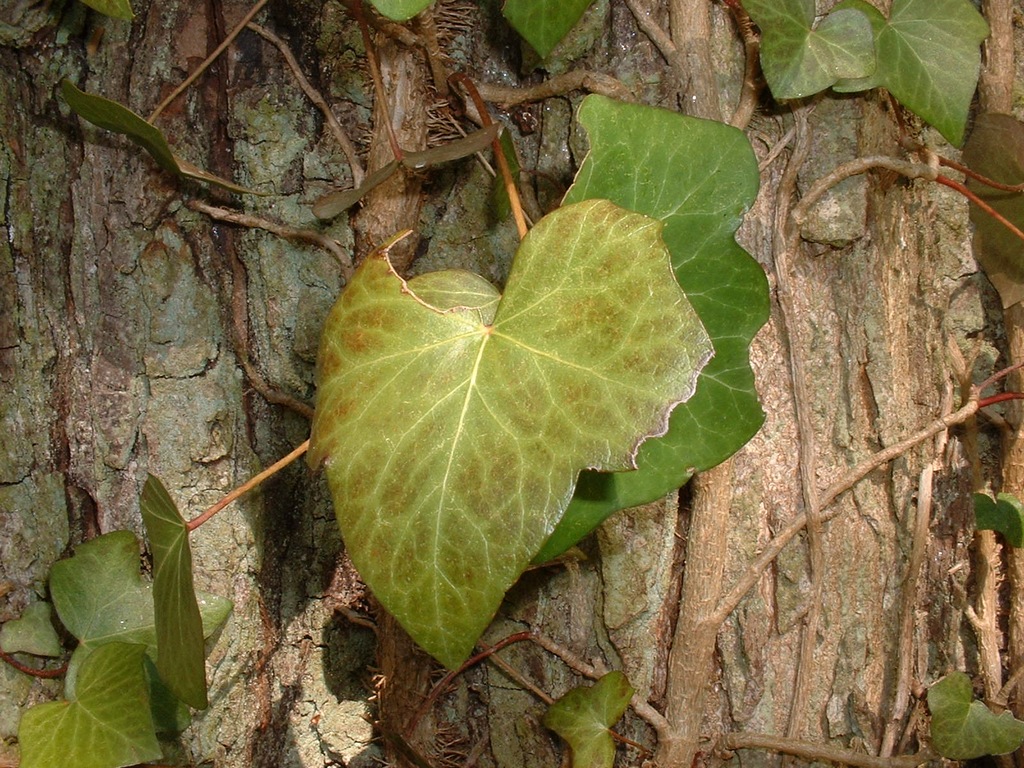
543	23
106	723
798	58
995	149
964	729
181	657
926	53
454	427
118	9
583	716
400	10
1004	514
111	116
698	176
32	632
928	58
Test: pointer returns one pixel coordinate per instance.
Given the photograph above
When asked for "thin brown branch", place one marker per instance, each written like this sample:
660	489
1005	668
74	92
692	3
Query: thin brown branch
432	48
849	479
786	241
645	21
853	168
33	671
559	85
981	204
208	61
378	80
248	486
281	230
978	177
318	101
817	752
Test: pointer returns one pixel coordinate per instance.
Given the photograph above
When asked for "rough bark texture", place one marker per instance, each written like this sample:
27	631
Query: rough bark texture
135	335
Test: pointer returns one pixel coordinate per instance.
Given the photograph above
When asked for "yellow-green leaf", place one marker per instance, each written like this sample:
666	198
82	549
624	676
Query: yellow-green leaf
453	432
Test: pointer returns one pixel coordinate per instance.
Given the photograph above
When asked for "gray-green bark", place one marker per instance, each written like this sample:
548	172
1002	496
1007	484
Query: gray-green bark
127	322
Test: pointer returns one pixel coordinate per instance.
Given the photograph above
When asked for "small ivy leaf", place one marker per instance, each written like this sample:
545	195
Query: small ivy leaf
453	440
878	23
180	656
799	59
1004	514
929	57
112	116
333	203
101	598
400	10
995	149
543	23
32	632
583	716
118	9
106	724
964	729
698	176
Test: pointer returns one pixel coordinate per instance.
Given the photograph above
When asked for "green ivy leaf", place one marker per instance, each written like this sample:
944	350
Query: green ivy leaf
118	9
106	724
111	116
181	656
543	23
400	10
453	438
1004	514
101	598
32	632
964	729
583	716
799	59
929	57
698	176
995	149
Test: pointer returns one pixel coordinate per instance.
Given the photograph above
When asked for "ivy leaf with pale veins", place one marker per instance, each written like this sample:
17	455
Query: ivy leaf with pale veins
799	58
543	23
995	150
180	651
105	724
583	716
929	56
698	176
453	433
112	116
965	729
1004	514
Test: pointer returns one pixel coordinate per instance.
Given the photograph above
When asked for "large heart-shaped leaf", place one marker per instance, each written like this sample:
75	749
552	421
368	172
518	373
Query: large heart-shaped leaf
453	436
181	656
106	724
101	598
583	716
964	729
799	59
995	149
698	176
543	23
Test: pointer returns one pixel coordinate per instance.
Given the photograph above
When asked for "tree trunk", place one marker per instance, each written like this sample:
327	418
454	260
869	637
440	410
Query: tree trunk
139	335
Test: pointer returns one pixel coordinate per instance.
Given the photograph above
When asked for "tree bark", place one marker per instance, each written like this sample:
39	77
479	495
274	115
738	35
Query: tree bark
137	335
